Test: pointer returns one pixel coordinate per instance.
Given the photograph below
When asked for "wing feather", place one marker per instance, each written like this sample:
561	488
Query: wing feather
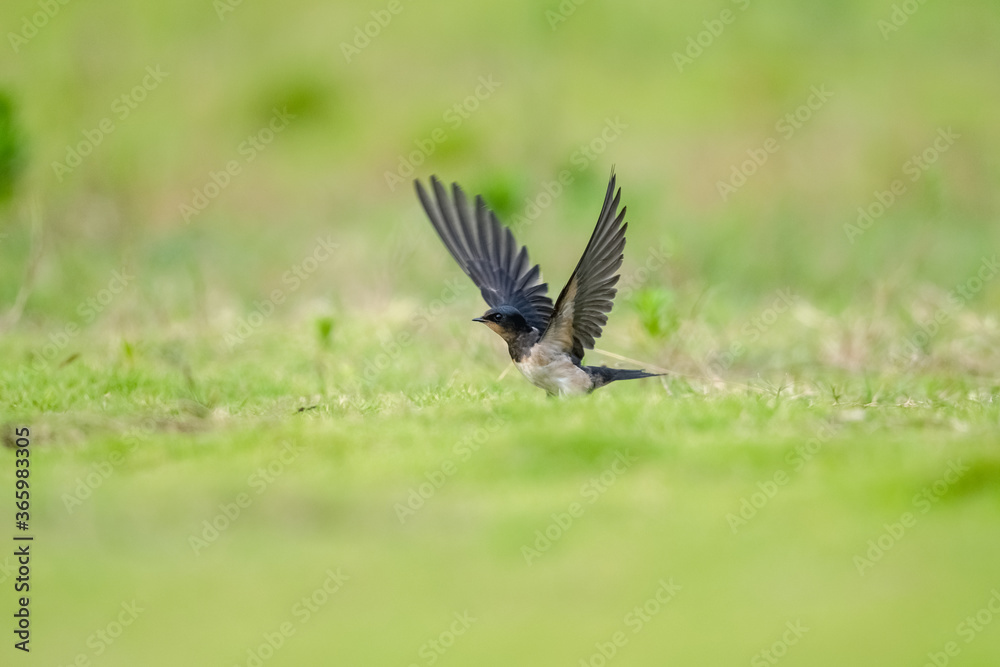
487	252
581	311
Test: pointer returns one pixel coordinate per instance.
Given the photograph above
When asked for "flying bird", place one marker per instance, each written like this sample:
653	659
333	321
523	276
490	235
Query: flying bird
545	341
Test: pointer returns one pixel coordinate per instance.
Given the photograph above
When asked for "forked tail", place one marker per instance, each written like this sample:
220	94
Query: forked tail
603	375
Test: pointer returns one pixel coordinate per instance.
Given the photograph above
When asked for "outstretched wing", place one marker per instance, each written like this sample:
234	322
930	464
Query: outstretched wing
582	307
488	253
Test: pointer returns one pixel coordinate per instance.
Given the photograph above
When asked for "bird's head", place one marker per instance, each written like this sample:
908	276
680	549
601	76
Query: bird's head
506	321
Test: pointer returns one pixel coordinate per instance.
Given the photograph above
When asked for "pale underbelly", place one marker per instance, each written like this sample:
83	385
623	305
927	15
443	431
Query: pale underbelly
559	376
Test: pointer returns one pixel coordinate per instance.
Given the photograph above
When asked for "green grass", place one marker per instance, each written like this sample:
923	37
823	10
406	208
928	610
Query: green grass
426	489
824	387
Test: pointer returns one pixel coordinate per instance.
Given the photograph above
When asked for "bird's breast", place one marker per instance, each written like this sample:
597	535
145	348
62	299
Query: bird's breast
554	371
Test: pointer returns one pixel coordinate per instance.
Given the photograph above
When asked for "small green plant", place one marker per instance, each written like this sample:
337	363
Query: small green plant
11	148
657	310
324	331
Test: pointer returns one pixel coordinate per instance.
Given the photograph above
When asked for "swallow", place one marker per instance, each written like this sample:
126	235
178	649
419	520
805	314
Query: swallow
546	342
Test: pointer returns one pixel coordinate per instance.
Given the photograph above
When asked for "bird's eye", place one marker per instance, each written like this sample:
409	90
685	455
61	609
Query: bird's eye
496	317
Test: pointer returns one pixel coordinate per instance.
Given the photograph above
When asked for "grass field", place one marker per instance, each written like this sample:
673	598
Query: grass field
265	432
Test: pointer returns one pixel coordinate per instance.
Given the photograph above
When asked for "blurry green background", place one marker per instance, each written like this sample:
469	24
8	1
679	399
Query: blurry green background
138	338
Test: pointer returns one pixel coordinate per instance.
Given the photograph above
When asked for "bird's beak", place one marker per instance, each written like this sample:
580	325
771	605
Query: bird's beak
478	319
